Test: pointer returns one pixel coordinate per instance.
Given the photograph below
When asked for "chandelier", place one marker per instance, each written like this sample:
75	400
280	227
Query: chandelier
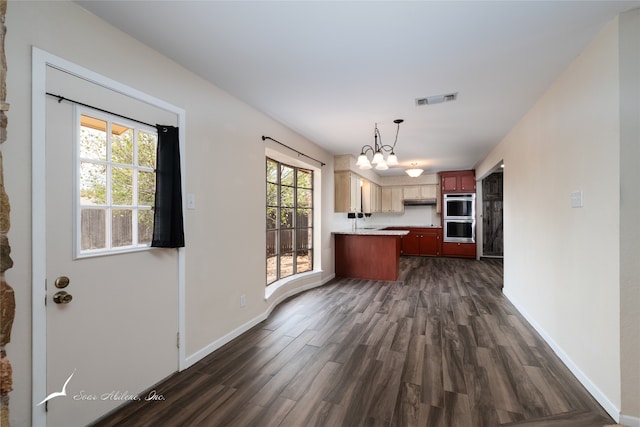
377	150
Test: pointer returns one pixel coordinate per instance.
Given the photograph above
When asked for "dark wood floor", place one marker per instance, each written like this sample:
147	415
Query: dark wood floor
439	347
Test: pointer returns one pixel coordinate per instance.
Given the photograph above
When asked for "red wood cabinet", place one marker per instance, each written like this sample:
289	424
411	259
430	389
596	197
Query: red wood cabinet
458	181
460	250
431	243
410	244
449	183
375	257
422	242
463	181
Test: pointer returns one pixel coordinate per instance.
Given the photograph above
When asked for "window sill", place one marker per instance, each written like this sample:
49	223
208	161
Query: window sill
124	250
303	278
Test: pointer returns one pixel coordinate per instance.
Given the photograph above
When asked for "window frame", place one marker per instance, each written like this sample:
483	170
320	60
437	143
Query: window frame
309	230
135	206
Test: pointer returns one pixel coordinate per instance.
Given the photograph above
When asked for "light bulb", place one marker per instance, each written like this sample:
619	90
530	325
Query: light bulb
382	166
377	158
363	162
414	172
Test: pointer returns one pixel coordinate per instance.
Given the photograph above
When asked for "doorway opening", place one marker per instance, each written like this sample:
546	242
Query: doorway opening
492	214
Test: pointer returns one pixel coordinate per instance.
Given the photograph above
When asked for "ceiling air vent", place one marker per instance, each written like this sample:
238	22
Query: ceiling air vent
437	99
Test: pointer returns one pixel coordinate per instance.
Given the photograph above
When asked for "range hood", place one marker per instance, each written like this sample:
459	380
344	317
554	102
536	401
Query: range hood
420	202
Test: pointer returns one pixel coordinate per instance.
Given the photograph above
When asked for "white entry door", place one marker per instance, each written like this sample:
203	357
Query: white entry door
117	335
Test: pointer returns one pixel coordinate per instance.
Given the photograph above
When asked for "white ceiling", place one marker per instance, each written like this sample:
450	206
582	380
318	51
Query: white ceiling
330	70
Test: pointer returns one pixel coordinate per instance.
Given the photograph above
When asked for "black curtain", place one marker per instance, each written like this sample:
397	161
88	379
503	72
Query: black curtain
168	228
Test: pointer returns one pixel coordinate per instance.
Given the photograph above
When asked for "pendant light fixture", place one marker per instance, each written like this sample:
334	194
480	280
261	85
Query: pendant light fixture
414	172
378	150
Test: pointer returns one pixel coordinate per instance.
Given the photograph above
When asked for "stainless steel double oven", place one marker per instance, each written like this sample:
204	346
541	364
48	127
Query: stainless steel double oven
459	217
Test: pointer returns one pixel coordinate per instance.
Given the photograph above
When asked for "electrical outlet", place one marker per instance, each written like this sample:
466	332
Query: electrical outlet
243	300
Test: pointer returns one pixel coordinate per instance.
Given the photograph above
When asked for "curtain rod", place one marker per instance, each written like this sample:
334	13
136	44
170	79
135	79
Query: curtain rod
293	149
62	98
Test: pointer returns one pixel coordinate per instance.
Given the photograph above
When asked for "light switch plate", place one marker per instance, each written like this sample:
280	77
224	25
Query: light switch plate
577	199
191	201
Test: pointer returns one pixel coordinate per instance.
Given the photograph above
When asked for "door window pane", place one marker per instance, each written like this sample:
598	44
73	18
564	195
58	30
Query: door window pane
122	145
93	138
121	186
121	229
93	229
93	184
147	148
145	226
146	188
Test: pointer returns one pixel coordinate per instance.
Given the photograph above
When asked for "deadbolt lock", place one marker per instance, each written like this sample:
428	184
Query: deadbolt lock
62	297
62	282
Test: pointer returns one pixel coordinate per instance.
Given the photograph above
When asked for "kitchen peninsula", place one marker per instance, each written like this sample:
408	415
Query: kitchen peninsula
368	253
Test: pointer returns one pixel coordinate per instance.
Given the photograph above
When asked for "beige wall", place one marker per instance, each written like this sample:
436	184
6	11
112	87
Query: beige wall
562	264
630	211
567	278
225	234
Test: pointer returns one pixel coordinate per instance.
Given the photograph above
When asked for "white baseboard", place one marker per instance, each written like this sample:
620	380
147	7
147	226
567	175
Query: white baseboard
629	421
597	394
296	291
207	350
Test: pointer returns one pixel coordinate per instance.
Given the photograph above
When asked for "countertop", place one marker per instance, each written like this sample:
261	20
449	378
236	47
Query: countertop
412	226
381	230
373	231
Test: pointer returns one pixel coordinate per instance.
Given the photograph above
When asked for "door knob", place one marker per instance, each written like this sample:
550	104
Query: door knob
62	282
62	297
